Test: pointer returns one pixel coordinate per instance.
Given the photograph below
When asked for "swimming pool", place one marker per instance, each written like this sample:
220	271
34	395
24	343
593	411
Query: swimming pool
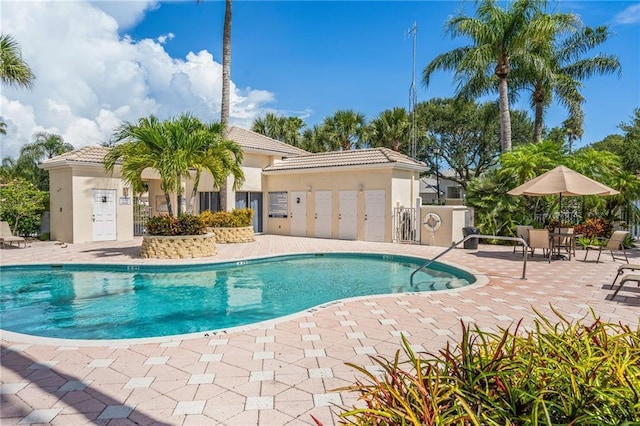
120	301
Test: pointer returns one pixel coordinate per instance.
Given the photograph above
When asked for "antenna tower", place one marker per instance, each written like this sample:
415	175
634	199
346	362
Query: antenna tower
413	94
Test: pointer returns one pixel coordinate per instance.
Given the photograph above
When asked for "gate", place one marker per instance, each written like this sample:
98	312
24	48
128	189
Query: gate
405	220
141	213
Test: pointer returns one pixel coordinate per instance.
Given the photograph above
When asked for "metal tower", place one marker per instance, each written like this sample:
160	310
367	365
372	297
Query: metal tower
413	94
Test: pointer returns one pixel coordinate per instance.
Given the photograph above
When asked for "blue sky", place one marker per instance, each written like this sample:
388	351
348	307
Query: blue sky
318	57
101	63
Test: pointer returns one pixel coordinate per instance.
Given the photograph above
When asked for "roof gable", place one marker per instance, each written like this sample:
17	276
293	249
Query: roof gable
252	141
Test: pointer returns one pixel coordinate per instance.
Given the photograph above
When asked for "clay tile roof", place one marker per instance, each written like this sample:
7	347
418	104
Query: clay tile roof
357	157
87	154
249	140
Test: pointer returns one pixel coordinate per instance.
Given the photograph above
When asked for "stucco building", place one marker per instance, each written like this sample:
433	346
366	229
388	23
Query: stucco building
345	194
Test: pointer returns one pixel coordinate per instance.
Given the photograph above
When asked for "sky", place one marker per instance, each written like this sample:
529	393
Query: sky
101	63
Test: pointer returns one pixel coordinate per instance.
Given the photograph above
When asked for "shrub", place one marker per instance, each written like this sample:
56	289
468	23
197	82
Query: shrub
237	218
165	225
45	236
595	227
559	373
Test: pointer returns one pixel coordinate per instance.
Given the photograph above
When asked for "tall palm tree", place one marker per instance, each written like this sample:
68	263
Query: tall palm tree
562	69
14	71
391	129
226	84
174	148
498	36
345	130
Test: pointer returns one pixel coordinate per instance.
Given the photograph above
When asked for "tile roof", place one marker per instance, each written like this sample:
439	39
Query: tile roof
249	140
356	157
87	154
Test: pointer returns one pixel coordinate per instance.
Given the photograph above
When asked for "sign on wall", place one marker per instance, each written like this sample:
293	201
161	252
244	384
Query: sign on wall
278	204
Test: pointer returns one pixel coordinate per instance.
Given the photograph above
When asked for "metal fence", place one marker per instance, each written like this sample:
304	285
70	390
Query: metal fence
404	224
141	213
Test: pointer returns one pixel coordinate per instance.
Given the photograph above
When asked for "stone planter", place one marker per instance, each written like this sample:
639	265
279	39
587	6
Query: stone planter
178	247
233	235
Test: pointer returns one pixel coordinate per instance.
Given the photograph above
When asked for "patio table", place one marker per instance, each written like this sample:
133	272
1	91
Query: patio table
557	237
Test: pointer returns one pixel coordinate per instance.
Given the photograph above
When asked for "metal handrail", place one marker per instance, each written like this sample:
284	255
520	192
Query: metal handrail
478	236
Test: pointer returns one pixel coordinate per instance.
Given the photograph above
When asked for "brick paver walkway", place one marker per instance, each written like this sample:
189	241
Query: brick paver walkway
284	371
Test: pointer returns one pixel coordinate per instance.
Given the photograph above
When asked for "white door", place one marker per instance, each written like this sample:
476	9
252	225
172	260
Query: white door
103	215
374	217
298	203
348	215
324	214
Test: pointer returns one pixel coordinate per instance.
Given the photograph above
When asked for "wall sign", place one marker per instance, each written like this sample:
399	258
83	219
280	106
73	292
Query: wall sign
278	204
125	201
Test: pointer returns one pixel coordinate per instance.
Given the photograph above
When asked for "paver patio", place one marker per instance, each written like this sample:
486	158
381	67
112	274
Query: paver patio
284	371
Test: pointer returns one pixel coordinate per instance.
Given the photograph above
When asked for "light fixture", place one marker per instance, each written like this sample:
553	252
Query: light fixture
309	188
360	188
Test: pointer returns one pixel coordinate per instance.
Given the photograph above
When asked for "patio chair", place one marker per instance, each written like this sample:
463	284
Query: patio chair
522	231
6	236
539	238
616	242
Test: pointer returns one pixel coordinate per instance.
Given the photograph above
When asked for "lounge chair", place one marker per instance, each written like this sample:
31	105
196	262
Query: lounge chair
622	268
6	236
539	238
616	242
627	278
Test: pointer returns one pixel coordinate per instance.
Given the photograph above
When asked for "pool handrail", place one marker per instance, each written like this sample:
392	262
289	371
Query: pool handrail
478	236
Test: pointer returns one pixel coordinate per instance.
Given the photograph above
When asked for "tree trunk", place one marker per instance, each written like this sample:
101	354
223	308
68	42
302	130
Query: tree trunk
226	83
167	198
537	128
226	65
505	117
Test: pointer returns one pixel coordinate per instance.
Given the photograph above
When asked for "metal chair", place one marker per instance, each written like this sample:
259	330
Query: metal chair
616	242
522	231
539	238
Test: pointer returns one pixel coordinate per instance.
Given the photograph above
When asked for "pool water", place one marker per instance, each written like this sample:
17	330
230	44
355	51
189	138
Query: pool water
119	302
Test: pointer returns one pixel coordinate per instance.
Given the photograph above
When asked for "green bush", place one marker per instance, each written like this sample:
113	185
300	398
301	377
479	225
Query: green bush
237	218
595	227
165	225
559	373
45	236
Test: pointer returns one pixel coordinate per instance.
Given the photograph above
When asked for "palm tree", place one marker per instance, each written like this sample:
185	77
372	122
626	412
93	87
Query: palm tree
3	128
283	129
391	129
174	148
498	36
344	130
14	71
44	146
562	69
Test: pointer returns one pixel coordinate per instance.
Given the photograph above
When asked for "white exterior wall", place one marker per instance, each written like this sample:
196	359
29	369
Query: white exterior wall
71	205
396	184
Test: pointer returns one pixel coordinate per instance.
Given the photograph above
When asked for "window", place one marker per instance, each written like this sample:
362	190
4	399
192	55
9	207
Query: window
209	201
454	192
252	200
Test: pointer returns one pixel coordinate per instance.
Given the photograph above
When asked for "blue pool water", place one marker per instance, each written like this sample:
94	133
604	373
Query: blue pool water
119	302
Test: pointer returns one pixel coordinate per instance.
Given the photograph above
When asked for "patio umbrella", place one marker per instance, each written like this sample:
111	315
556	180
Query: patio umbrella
562	181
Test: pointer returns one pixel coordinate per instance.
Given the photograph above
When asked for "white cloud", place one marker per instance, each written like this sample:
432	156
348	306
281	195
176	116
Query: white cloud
127	12
89	80
631	15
